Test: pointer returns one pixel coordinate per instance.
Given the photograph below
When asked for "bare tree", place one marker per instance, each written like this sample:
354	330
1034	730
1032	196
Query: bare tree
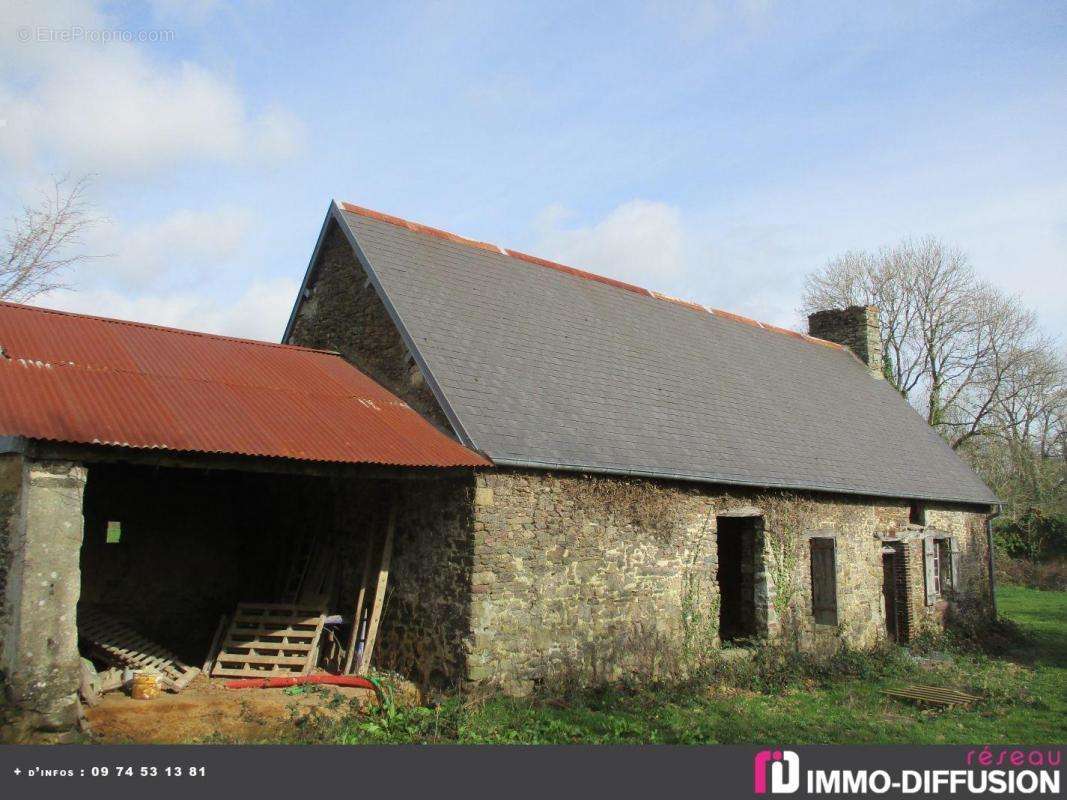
885	279
1032	411
949	339
44	240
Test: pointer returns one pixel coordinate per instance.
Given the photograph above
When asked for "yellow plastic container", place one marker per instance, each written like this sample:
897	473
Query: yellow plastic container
145	686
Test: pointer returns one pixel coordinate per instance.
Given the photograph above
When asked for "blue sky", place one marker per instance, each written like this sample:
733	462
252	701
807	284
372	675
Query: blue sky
713	150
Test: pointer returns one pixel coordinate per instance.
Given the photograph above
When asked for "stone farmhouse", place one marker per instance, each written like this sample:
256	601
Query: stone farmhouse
570	474
664	473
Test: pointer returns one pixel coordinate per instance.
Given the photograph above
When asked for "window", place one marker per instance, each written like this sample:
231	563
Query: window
941	561
917	513
945	563
823	580
114	532
935	569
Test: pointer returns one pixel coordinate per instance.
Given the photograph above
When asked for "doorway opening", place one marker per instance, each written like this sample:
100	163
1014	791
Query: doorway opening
737	539
893	581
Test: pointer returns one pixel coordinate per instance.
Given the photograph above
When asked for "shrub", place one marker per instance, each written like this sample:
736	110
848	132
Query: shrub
970	629
1050	575
1033	535
774	666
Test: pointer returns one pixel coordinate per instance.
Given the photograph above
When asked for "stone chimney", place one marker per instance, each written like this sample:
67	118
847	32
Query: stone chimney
856	327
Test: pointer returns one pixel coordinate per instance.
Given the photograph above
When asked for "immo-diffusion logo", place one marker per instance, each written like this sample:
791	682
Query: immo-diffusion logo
784	769
1012	771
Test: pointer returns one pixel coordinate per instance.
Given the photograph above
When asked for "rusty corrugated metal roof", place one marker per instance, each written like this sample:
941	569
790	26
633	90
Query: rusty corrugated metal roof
90	380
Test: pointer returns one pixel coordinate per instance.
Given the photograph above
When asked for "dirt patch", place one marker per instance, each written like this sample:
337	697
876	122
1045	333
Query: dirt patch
206	711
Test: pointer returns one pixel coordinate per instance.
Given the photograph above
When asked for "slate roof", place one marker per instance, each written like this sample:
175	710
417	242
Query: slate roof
538	364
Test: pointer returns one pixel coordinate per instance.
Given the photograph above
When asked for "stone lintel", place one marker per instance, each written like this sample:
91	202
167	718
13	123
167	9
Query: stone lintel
741	511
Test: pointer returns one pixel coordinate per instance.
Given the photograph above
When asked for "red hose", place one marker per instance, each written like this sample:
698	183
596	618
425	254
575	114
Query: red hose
297	680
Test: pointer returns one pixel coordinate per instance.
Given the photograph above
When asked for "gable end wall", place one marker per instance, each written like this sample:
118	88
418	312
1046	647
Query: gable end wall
344	313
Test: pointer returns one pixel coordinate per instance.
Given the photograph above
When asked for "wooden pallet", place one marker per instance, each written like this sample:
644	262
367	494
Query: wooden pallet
932	695
270	638
115	641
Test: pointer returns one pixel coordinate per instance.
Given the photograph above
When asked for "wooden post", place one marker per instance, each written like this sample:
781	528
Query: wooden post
357	617
379	592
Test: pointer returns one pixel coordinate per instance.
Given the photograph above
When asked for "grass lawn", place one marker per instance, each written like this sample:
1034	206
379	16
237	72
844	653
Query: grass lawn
1025	695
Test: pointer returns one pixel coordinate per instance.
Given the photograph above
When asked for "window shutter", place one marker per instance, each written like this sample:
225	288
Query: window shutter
954	553
823	581
928	565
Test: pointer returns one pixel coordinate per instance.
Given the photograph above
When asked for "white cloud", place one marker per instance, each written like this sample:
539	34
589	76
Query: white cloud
189	11
1012	226
183	270
751	258
277	134
639	241
696	20
186	243
1018	240
109	106
260	312
750	268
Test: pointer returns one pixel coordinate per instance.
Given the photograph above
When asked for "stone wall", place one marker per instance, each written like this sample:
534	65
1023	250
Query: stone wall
573	575
969	531
857	526
425	630
343	312
10	492
39	657
597	575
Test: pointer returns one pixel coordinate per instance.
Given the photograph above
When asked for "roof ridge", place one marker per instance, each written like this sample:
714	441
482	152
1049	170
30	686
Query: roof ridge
167	328
418	227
